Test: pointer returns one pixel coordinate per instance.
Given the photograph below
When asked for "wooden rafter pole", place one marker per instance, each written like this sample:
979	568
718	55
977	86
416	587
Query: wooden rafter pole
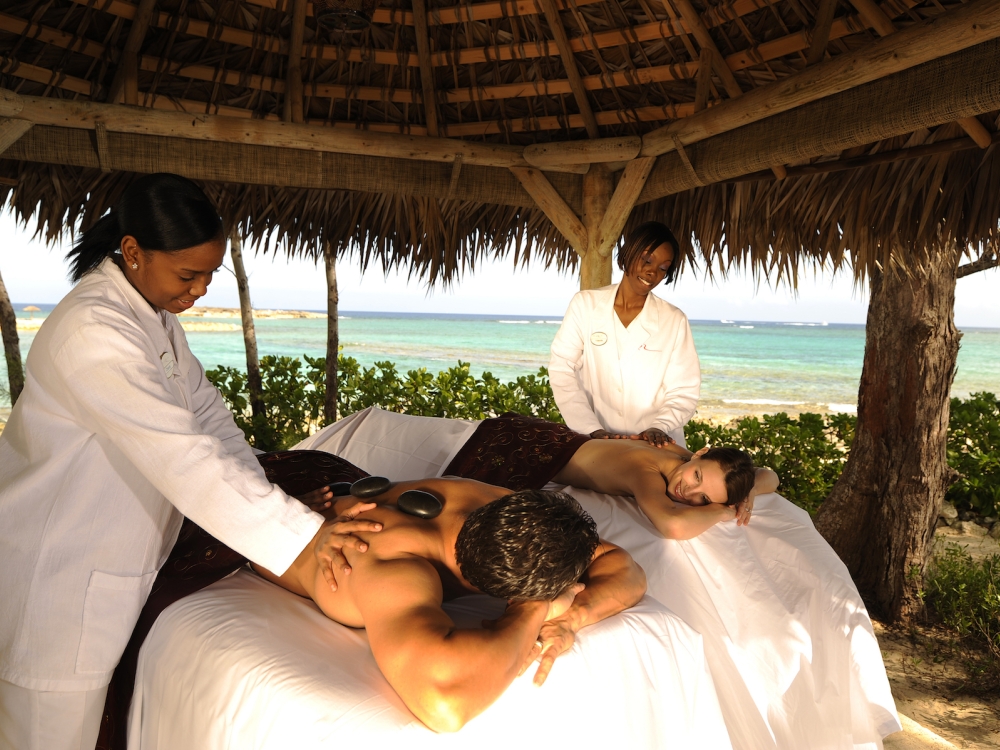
966	26
293	105
976	131
822	25
567	153
11	132
554	206
703	83
426	69
693	21
569	63
126	80
989	259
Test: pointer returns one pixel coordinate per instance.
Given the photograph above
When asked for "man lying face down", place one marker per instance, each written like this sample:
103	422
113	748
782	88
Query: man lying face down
539	550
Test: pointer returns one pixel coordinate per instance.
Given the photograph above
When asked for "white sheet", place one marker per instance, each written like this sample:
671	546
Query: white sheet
788	639
244	664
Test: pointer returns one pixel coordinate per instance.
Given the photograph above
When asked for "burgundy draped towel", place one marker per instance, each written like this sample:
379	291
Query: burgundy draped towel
198	560
516	452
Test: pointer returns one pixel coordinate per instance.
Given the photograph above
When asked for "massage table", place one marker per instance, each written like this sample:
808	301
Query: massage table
754	636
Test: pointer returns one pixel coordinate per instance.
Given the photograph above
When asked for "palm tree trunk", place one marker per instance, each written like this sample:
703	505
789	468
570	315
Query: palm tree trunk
881	514
254	385
11	345
332	332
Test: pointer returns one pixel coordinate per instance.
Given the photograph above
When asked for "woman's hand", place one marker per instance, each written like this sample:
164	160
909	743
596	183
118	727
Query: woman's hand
744	509
317	500
656	437
335	535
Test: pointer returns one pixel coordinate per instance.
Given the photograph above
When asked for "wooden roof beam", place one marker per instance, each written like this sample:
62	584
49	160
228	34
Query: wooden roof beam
554	206
569	63
693	21
82	115
282	167
965	26
965	83
584	152
126	81
11	131
426	69
623	200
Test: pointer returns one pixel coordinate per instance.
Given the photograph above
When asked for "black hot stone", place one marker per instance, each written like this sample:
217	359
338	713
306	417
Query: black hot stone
340	488
419	503
370	487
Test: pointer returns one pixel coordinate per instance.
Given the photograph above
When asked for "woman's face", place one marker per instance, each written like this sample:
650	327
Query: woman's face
172	281
698	482
649	269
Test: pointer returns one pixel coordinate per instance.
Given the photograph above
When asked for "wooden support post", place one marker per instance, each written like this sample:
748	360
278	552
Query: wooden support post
126	80
569	62
821	31
693	21
626	193
595	268
332	332
293	107
11	131
976	131
11	345
426	69
703	83
553	206
254	384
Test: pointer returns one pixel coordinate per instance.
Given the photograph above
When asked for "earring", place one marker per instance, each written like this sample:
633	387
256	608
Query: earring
135	266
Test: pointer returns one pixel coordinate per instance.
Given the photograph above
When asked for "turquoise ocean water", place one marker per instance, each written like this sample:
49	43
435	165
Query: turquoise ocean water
746	365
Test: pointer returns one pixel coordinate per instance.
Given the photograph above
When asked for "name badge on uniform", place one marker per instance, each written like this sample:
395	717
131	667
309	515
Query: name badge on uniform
167	360
598	338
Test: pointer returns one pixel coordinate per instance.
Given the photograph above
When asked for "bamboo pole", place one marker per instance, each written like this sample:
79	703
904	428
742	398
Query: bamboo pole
569	63
426	68
693	21
11	345
254	384
293	90
332	332
964	27
117	118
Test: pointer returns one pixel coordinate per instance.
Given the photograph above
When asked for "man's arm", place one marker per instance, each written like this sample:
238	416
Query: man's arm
614	582
445	675
629	468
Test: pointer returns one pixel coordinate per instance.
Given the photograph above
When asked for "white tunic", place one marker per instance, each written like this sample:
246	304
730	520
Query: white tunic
116	435
624	380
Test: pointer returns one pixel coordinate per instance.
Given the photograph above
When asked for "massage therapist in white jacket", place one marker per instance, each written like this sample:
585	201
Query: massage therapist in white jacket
116	435
623	361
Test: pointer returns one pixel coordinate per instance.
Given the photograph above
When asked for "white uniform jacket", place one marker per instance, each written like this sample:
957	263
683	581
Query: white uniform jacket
116	434
655	382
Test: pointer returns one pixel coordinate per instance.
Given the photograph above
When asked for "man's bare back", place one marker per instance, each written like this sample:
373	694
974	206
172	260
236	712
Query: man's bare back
445	674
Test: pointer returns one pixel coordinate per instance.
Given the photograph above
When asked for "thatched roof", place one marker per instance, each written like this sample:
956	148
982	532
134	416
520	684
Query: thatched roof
501	87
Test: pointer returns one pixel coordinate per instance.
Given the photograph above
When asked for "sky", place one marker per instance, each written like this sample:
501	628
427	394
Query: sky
37	274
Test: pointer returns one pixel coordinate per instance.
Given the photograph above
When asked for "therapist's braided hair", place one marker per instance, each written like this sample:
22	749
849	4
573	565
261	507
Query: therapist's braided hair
164	212
645	238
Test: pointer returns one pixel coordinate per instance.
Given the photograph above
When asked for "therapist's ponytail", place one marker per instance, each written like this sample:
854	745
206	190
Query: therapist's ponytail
164	212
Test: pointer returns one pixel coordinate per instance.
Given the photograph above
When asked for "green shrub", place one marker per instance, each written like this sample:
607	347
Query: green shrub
807	452
974	451
966	595
294	395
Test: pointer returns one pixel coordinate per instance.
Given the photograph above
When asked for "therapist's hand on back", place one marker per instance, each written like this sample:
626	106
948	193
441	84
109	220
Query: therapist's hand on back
336	535
653	436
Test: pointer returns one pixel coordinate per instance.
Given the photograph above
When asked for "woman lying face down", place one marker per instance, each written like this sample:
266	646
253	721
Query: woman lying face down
682	493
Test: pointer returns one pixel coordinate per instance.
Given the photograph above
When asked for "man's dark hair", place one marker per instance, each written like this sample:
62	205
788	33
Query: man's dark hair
530	544
738	468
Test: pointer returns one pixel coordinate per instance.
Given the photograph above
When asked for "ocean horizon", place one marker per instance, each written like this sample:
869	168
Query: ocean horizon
748	366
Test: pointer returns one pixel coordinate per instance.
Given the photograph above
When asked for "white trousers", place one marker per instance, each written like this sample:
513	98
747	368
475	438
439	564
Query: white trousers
49	720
